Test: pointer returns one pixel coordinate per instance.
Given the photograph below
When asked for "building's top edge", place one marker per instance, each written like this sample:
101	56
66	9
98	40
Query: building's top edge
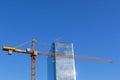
62	42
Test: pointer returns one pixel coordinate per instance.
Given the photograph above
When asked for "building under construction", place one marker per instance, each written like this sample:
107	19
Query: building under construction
60	62
61	68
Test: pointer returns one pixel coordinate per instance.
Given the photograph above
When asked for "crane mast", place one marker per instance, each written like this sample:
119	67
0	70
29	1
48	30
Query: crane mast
33	61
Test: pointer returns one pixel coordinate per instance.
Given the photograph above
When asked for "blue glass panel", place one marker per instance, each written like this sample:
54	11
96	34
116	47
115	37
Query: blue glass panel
61	68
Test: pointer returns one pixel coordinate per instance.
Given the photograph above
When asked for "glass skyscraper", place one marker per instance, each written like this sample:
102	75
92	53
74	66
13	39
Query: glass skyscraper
61	68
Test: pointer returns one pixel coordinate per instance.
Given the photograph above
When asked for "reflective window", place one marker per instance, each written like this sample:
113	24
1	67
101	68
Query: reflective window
61	68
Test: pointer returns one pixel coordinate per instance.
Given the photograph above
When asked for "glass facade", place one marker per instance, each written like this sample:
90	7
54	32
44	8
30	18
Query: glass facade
61	68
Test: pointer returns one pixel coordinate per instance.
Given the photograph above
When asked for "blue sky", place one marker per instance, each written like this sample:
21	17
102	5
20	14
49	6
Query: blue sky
92	25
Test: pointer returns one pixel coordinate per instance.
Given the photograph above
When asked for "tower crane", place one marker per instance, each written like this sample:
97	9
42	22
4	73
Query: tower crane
34	53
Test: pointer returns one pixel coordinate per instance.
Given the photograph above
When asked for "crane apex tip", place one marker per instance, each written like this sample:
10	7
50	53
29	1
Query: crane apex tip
34	40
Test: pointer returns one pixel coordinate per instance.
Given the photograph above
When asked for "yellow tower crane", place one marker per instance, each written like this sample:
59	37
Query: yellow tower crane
34	53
